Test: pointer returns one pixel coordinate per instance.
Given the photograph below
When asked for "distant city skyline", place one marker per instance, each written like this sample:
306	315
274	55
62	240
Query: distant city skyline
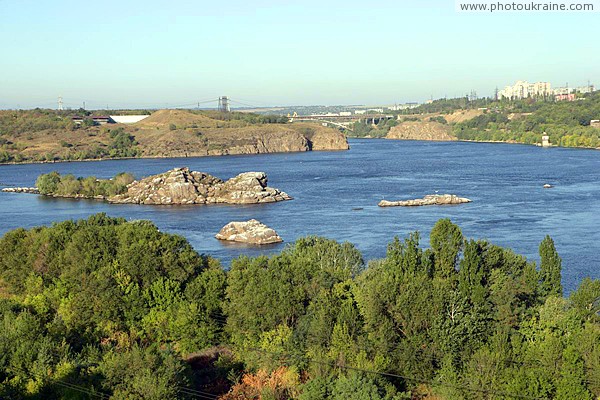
266	53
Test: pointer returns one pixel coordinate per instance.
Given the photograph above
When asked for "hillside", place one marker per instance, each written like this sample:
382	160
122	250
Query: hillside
45	135
421	130
567	123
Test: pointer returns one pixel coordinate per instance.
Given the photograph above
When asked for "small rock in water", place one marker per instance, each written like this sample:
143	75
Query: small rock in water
252	231
429	200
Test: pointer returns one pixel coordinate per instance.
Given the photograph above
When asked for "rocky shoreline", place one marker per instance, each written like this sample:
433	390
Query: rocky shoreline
428	200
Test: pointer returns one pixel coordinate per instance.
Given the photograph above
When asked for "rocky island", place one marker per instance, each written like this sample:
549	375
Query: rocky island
182	186
429	200
252	232
174	187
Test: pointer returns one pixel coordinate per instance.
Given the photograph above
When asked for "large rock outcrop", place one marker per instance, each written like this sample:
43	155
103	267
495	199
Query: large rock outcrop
182	186
322	138
252	232
421	130
429	200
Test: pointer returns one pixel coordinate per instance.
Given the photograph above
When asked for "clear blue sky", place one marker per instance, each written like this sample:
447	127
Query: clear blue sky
268	52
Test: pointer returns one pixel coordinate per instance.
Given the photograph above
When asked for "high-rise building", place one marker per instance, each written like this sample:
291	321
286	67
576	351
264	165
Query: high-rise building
524	89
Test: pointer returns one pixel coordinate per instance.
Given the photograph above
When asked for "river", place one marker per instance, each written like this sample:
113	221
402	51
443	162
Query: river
336	195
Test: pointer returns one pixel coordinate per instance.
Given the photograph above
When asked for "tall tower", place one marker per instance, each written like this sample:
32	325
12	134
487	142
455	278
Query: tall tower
224	104
60	103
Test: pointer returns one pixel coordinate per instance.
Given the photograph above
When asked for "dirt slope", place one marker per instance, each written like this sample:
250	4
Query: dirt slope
421	130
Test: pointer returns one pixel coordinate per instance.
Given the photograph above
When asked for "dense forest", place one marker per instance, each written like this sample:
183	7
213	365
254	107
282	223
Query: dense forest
106	308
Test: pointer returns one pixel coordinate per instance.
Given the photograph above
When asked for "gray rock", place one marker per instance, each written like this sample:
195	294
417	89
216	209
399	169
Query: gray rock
429	200
252	231
33	190
182	186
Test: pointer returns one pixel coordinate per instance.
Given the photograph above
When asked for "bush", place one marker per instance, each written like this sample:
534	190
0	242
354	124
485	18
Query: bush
68	185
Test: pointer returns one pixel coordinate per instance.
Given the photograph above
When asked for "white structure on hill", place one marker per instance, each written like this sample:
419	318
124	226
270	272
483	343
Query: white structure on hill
524	89
127	119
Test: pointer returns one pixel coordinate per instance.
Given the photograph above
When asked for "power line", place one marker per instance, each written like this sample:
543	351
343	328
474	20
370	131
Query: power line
431	357
243	104
81	389
405	377
197	393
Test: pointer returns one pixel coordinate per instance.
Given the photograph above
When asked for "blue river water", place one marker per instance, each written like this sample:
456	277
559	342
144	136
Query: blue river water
336	195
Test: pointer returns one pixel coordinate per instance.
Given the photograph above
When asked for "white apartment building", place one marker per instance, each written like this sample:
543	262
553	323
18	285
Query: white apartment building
569	90
524	89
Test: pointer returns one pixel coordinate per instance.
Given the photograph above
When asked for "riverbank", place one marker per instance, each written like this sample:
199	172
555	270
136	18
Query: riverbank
479	141
41	137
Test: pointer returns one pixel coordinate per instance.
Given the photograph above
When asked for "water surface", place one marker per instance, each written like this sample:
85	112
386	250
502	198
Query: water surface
509	207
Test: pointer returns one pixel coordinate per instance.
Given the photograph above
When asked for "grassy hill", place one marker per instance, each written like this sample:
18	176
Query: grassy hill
48	135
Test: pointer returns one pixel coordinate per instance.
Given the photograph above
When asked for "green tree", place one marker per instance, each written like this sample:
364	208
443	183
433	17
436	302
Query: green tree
446	241
144	374
550	269
48	183
571	384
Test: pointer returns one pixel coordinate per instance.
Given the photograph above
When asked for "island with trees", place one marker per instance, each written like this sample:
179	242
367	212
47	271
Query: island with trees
109	308
175	187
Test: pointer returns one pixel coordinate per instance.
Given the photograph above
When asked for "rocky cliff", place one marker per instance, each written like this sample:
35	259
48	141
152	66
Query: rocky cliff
421	130
182	186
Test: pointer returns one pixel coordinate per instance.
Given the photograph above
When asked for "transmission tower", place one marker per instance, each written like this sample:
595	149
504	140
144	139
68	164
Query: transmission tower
224	104
60	103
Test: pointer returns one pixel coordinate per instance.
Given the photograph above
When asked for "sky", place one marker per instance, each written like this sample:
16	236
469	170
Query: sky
152	54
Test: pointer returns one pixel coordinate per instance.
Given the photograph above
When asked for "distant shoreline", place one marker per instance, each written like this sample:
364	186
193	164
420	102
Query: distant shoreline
161	157
480	141
286	152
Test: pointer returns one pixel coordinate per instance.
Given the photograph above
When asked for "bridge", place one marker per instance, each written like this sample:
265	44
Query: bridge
342	121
